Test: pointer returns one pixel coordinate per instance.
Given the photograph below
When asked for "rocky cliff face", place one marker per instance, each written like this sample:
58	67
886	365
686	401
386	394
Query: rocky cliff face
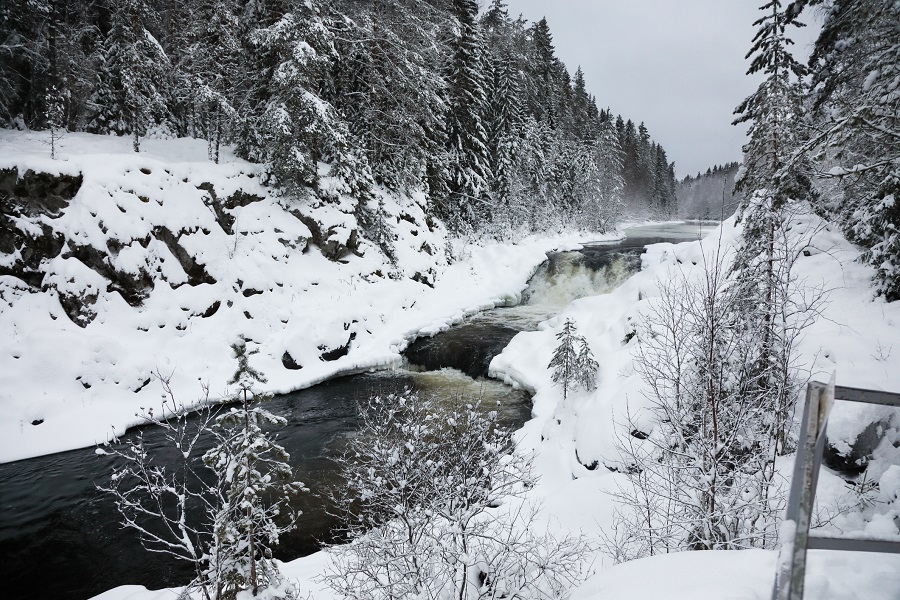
27	201
115	266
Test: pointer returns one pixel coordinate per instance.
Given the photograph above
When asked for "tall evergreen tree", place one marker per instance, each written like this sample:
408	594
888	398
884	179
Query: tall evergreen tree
134	74
207	69
855	66
388	86
772	178
466	136
292	128
260	489
543	93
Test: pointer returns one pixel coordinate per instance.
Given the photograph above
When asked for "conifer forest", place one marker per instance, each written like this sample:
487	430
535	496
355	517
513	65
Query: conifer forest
384	300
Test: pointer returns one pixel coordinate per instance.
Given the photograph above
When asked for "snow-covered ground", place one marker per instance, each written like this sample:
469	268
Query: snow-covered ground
277	289
851	338
80	386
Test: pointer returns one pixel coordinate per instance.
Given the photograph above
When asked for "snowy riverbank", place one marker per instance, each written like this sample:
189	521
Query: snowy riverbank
567	439
64	386
576	442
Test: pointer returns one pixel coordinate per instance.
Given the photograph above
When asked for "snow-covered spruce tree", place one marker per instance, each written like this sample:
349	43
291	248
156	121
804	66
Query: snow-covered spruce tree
434	510
469	163
259	489
134	75
855	66
585	366
387	83
286	122
773	179
605	208
206	69
504	111
573	363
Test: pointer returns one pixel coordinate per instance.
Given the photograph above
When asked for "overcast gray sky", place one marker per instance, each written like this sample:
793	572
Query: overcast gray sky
676	65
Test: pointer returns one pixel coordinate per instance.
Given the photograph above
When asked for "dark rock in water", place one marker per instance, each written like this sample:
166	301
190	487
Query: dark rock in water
330	355
289	363
856	459
468	348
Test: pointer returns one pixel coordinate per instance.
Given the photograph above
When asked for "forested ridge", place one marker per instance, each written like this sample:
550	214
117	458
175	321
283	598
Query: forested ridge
476	110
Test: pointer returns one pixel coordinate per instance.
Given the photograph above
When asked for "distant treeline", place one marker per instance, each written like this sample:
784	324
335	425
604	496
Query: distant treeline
708	195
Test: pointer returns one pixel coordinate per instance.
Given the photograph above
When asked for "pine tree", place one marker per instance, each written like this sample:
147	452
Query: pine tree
543	98
207	69
504	114
585	366
287	124
581	109
610	186
773	178
573	363
386	82
856	100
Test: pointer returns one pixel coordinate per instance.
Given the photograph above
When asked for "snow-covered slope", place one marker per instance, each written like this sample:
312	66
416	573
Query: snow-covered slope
853	337
158	261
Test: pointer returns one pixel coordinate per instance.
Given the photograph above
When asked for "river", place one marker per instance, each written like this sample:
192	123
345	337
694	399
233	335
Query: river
60	537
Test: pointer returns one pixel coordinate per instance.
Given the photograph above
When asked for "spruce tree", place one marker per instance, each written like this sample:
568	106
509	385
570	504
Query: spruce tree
543	98
573	363
259	488
856	100
773	178
134	75
207	69
585	366
466	137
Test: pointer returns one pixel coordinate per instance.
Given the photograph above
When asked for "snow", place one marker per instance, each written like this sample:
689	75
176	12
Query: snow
575	441
87	384
567	438
308	303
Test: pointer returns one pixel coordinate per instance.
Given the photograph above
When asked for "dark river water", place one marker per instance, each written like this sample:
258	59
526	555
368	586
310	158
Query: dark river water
60	537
